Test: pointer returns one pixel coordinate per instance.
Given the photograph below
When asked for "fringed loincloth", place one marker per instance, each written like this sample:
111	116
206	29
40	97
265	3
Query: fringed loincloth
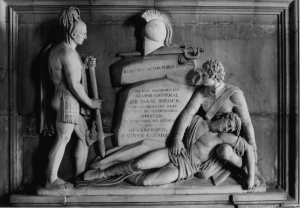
69	105
69	108
211	166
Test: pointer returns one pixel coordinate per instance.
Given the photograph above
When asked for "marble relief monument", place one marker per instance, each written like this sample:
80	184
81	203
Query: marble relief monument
158	86
176	121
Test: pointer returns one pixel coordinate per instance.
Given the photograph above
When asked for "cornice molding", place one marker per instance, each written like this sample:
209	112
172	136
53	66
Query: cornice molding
173	6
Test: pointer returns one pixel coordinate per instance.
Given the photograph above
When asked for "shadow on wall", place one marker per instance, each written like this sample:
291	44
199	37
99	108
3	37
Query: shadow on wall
34	170
38	72
138	23
36	149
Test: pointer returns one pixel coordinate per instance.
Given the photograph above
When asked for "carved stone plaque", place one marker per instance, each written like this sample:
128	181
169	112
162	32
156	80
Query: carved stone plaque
135	69
149	110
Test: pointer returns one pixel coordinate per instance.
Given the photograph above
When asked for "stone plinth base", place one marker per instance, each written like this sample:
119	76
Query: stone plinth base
191	186
191	193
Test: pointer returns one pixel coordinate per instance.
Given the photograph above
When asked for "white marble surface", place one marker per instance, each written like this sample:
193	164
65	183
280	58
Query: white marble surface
149	110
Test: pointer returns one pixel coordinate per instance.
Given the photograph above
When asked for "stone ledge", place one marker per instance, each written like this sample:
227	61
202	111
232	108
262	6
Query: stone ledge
271	198
191	193
188	187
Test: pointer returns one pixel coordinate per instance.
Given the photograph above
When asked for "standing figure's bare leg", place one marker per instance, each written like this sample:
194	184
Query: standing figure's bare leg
64	132
81	150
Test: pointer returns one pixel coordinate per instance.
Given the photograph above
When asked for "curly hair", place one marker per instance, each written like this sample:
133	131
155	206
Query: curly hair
68	19
214	69
238	122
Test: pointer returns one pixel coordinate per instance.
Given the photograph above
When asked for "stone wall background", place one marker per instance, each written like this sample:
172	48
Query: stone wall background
4	105
245	44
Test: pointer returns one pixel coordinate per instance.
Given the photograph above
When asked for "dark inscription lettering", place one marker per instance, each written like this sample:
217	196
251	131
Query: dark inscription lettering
169	101
166	95
157	135
144	95
135	135
148	101
133	102
151	110
151	116
155	68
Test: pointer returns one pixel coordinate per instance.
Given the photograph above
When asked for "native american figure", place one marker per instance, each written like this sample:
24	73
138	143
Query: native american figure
69	99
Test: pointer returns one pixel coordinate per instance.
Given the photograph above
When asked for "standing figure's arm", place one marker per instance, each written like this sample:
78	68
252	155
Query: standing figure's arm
72	69
184	120
250	160
89	61
241	108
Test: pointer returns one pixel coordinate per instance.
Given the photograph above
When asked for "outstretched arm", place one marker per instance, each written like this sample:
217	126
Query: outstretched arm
184	120
250	167
72	69
241	109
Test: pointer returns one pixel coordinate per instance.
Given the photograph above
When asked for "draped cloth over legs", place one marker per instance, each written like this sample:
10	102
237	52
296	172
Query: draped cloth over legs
186	160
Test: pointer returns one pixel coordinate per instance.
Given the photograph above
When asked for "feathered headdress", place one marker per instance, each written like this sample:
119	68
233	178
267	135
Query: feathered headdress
68	18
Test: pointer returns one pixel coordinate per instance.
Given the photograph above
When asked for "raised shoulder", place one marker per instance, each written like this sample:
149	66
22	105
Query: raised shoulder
70	59
238	98
240	106
67	54
228	138
229	86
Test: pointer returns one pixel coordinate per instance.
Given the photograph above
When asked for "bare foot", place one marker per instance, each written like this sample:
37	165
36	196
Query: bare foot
58	184
94	174
249	182
256	181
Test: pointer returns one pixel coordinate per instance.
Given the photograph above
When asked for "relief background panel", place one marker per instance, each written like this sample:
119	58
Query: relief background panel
245	44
